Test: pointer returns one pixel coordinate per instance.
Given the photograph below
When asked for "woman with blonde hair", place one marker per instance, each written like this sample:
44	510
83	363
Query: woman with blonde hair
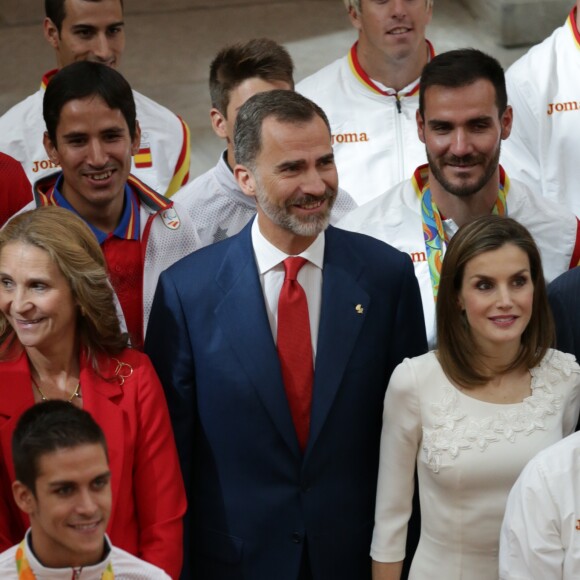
60	338
470	415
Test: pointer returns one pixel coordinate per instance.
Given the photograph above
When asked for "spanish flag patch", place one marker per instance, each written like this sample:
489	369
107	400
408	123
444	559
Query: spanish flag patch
143	158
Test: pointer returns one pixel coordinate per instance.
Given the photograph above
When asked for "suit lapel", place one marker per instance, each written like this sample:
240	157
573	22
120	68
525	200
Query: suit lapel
343	310
15	397
97	397
243	320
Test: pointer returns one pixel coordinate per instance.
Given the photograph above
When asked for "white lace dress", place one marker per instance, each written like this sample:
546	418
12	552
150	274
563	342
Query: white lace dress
468	455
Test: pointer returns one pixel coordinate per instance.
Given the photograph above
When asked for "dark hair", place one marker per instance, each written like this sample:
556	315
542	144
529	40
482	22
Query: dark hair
45	428
260	57
55	10
83	79
73	247
284	106
457	351
460	68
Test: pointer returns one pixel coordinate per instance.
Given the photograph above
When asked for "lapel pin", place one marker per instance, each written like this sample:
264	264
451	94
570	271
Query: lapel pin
359	309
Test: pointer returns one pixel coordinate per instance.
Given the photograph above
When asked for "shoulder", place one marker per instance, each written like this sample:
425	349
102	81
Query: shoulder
149	106
567	283
411	374
8	563
540	53
310	86
30	103
370	250
130	567
556	367
193	192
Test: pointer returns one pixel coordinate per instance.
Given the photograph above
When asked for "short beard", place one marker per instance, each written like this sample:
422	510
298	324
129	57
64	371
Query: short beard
305	226
464	190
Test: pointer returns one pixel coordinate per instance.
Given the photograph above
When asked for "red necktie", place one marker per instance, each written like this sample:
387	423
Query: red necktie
295	348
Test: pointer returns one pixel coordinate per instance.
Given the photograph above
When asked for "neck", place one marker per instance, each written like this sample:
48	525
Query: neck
230	156
104	217
497	358
49	558
55	366
464	209
284	240
394	73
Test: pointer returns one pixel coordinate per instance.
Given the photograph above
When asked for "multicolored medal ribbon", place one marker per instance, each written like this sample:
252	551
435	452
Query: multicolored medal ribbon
433	230
25	571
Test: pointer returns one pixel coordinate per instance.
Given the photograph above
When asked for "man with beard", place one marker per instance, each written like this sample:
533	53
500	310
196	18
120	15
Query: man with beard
275	348
463	116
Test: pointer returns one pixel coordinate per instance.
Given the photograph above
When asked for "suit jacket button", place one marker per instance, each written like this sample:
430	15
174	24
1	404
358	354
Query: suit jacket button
296	537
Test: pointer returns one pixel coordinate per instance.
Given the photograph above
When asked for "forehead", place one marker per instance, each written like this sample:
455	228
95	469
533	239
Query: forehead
283	140
250	87
90	114
79	464
92	13
457	103
505	260
34	257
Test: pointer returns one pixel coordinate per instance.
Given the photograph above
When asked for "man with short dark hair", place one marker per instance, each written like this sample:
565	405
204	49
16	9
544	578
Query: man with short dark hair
462	119
214	200
63	485
370	95
92	133
94	30
275	348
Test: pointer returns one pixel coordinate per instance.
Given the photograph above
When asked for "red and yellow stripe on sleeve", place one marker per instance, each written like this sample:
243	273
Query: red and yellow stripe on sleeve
181	173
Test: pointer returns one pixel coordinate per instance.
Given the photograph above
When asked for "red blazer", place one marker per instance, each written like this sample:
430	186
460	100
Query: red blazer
148	493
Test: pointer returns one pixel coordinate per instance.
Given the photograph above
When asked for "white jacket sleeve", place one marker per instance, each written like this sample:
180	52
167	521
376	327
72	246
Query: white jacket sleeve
530	541
400	440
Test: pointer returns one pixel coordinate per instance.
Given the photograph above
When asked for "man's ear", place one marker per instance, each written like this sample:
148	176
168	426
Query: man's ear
51	33
24	497
354	17
218	123
245	179
50	149
420	126
506	121
136	141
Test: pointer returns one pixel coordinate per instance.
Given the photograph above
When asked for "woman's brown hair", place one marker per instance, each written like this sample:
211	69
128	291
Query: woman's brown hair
458	353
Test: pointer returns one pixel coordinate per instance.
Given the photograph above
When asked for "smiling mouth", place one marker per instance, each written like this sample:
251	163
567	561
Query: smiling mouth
28	322
399	30
503	320
104	175
85	528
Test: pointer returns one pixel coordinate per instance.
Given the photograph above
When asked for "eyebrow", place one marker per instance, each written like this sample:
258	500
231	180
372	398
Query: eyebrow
518	273
54	484
81	26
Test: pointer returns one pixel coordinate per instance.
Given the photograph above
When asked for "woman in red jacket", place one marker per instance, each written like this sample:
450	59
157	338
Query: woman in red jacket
60	339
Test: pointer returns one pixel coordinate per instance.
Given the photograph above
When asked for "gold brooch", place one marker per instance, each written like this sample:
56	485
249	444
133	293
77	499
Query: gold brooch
359	309
123	371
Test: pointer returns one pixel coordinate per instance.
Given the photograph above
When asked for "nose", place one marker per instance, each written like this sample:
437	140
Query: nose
86	503
461	143
313	183
20	301
101	49
398	8
504	297
96	155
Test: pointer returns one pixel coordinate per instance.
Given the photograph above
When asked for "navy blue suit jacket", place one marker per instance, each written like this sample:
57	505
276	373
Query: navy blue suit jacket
564	296
254	497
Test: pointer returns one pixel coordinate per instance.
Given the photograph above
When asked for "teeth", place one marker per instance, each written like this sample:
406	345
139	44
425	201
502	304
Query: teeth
84	527
399	30
311	205
101	176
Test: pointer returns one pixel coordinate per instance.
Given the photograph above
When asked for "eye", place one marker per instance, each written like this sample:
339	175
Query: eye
483	285
114	30
84	33
39	286
520	281
100	483
64	491
6	283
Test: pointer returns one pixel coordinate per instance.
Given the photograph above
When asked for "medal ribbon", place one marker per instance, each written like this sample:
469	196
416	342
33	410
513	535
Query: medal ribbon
433	230
25	571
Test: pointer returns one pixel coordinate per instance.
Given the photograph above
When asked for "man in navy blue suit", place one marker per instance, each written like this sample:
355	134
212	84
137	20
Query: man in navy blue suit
276	385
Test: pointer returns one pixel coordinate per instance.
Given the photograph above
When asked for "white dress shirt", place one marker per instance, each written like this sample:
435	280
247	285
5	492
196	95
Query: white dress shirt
540	536
269	260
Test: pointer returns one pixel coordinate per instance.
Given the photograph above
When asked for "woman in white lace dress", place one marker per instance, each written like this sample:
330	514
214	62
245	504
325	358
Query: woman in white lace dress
472	413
